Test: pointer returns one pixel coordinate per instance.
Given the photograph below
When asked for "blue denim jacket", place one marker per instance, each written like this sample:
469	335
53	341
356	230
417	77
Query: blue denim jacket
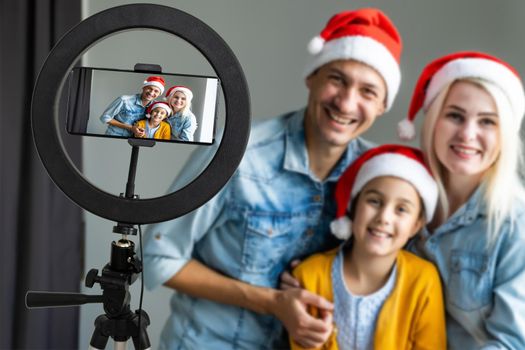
484	283
272	211
127	109
183	126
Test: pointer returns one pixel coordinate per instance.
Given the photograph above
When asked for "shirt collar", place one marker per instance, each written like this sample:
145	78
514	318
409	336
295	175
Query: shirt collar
474	207
296	156
138	101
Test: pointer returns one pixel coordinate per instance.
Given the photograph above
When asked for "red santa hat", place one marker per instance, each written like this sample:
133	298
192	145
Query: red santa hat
155	81
365	35
399	161
158	104
184	89
445	70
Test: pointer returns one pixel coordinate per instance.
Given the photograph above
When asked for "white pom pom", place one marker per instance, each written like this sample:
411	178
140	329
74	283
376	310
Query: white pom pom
341	227
406	130
316	45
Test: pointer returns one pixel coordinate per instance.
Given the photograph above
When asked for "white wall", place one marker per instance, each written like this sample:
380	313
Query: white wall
269	38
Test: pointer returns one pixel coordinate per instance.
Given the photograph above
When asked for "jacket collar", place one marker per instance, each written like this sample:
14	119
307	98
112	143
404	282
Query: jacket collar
296	155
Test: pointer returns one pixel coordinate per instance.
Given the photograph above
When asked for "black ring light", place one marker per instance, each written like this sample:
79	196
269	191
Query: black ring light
45	125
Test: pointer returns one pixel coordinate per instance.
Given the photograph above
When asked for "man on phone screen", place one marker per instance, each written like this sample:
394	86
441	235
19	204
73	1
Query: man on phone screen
122	114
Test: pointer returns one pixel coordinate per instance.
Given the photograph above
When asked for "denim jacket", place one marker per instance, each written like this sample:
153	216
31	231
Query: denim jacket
272	210
484	282
127	109
183	126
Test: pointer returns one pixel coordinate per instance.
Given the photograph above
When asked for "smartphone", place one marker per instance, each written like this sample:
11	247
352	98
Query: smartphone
116	104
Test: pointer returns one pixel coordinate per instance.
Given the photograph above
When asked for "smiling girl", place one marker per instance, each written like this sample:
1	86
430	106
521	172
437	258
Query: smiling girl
384	297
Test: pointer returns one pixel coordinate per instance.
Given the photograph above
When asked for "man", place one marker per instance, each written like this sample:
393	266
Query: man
122	114
224	259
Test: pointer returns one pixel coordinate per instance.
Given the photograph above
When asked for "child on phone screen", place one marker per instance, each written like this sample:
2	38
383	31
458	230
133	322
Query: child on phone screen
154	126
384	297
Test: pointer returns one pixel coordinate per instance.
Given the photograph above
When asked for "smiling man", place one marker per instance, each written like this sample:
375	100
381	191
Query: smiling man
224	259
122	114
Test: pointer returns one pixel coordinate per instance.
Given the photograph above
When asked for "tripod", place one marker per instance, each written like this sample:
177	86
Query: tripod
118	322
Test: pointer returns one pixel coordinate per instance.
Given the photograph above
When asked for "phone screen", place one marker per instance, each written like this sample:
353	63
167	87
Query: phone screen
128	104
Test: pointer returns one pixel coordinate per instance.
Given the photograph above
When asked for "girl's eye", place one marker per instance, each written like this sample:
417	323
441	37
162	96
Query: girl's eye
373	201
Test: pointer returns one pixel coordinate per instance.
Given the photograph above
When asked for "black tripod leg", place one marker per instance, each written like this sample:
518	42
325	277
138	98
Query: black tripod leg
99	339
141	341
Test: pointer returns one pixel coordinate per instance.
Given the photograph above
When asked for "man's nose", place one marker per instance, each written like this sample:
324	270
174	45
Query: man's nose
348	100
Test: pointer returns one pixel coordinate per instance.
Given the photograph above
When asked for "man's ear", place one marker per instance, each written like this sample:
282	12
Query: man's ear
382	108
308	82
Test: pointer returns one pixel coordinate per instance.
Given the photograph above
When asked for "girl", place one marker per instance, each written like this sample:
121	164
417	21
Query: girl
474	104
384	297
154	127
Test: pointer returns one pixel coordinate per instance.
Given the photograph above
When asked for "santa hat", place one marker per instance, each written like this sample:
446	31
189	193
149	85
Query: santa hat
155	81
445	70
158	104
398	161
184	89
365	35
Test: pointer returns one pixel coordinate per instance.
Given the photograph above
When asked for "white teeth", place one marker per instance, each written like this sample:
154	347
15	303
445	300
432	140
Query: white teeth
465	151
341	120
380	234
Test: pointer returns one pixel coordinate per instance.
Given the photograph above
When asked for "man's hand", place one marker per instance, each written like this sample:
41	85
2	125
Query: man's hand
287	280
138	132
291	309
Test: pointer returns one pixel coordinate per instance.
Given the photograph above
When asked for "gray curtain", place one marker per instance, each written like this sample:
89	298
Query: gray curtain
41	236
78	100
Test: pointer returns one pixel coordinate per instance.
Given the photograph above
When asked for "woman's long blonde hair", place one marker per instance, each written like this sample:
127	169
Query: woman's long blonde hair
503	182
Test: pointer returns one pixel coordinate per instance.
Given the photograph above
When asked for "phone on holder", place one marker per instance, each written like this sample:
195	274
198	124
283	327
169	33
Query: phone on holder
124	104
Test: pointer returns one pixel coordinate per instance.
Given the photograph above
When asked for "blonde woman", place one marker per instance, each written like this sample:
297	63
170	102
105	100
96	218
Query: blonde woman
183	122
473	106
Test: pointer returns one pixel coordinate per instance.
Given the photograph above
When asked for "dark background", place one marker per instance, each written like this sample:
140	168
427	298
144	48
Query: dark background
41	237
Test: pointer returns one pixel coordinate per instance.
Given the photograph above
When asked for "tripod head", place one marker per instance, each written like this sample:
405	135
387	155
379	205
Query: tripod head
116	277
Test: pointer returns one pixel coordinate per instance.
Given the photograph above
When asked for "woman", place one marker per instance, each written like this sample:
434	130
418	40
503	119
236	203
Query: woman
183	122
473	105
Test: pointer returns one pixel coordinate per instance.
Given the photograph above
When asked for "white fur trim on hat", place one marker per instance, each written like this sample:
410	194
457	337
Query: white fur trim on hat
187	92
342	227
406	130
397	165
362	49
154	83
481	68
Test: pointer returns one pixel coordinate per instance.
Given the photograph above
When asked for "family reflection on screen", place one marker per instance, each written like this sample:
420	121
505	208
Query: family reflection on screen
127	104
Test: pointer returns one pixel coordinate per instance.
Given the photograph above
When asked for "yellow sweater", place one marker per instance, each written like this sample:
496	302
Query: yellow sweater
413	315
162	133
